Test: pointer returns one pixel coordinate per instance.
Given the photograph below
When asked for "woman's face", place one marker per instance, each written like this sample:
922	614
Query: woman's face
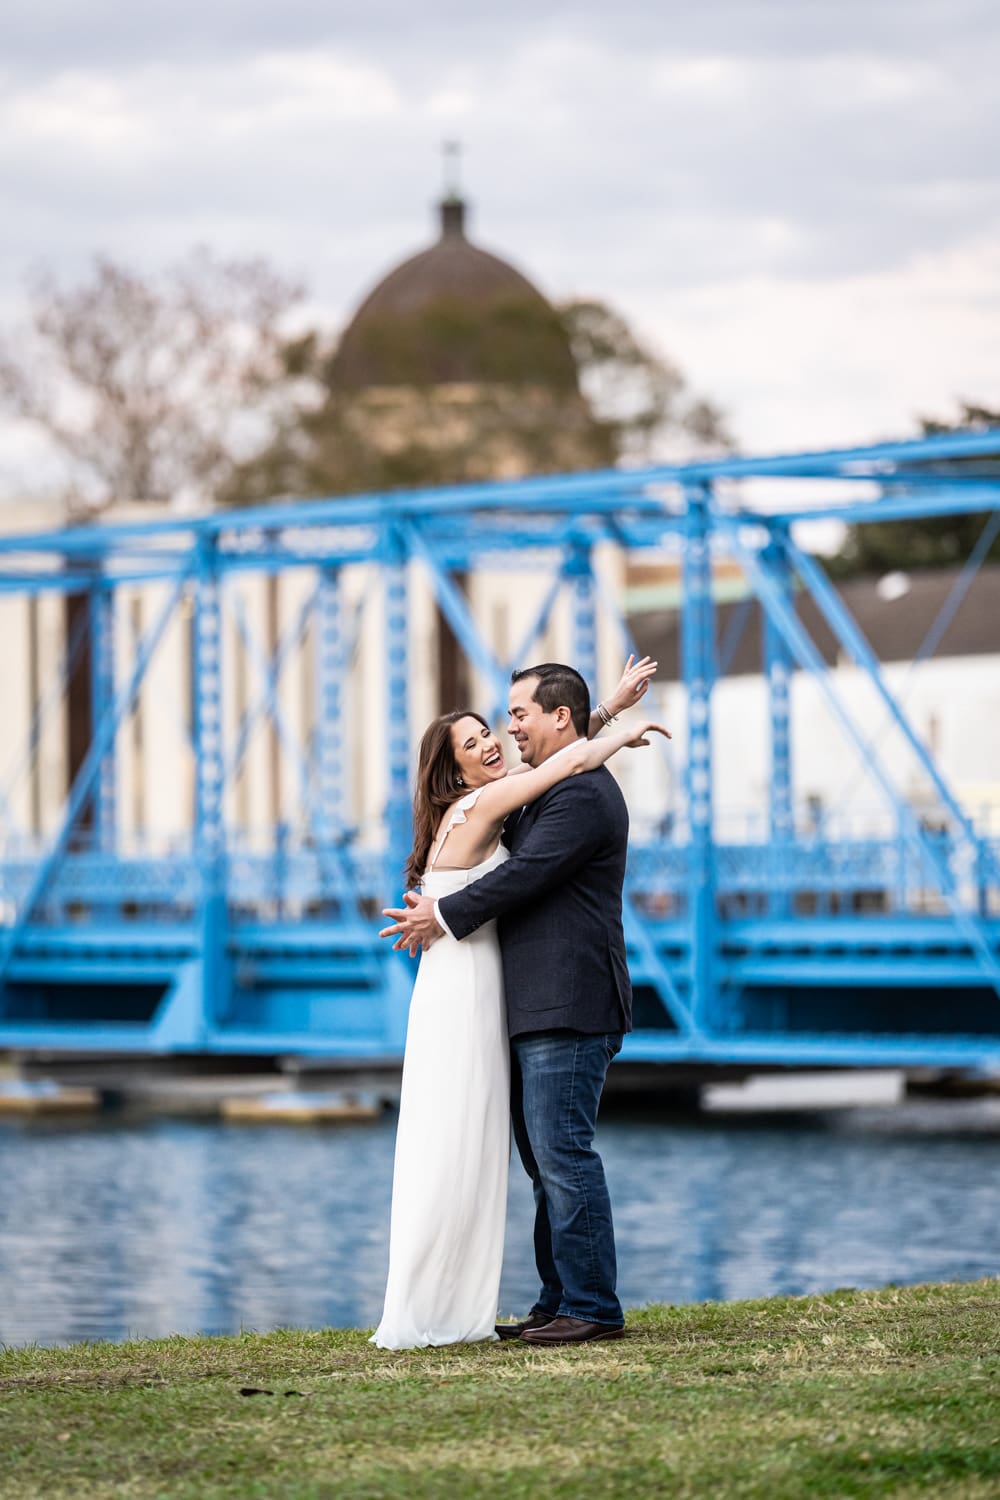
477	752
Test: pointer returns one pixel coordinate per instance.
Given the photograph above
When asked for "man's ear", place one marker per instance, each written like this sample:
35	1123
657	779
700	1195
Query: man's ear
563	717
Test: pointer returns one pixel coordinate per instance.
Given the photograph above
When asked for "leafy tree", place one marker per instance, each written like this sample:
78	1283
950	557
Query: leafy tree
934	541
151	388
640	397
596	396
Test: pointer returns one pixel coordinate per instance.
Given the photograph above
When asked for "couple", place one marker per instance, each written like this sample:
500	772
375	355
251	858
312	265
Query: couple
537	919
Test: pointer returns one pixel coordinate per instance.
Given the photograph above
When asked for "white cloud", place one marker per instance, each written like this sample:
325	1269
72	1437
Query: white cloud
845	359
90	112
799	201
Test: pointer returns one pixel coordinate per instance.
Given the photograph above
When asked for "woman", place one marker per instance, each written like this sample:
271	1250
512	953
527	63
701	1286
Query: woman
449	1195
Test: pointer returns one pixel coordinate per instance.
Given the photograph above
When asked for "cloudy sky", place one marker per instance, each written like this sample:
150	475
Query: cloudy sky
798	200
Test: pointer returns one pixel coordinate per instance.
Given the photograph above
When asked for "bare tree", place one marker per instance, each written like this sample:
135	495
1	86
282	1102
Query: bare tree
151	388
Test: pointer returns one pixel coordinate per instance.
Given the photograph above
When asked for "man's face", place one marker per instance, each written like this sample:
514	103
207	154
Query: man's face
536	734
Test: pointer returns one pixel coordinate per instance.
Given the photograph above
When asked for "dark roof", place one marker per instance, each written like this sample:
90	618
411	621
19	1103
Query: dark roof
453	313
894	627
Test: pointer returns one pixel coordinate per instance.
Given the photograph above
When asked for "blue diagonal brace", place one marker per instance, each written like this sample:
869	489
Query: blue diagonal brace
269	672
945	615
958	591
331	857
537	625
846	630
456	612
637	934
809	658
104	733
520	657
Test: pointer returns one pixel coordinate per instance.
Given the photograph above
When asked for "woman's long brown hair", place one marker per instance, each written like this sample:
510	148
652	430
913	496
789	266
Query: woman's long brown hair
438	786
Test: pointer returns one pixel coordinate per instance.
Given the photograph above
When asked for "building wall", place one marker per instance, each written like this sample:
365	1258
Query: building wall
953	704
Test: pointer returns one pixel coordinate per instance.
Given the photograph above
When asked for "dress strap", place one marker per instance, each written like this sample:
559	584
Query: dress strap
457	816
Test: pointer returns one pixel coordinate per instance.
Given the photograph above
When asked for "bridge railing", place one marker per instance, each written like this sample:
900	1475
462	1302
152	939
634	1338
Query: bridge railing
308	881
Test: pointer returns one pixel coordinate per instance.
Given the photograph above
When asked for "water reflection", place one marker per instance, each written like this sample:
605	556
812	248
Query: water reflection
148	1227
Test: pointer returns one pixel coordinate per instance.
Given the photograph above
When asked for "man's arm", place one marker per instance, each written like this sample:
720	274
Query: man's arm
568	831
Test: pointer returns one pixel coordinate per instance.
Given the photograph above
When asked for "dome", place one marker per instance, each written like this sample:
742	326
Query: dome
454	314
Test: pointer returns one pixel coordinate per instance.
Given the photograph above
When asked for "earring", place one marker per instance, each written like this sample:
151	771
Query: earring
459	781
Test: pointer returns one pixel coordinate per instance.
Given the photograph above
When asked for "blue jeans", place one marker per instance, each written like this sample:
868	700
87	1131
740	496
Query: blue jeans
556	1083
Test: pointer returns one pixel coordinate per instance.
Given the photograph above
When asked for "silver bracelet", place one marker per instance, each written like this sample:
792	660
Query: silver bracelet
606	717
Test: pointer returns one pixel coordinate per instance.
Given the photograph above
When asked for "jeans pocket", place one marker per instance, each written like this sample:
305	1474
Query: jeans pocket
613	1042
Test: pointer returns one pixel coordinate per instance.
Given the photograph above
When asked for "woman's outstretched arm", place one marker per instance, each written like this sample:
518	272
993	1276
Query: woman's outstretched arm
502	797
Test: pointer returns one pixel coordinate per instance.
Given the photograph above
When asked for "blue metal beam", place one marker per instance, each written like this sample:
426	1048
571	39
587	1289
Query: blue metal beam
102	692
958	591
946	499
397	679
269	671
338	878
846	630
698	656
209	753
596	493
455	608
332	657
809	658
579	574
777	667
104	732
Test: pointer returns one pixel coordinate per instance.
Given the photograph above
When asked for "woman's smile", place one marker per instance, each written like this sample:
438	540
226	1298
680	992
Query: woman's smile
478	756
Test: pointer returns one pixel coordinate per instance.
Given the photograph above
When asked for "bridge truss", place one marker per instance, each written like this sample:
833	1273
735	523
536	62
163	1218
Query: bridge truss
753	951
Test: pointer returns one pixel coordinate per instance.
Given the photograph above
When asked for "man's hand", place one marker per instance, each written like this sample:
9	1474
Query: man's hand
414	926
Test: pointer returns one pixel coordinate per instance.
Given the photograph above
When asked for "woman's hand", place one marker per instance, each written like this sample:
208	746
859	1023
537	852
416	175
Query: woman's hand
634	682
601	749
638	737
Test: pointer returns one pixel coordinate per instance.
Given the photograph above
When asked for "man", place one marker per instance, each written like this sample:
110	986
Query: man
558	902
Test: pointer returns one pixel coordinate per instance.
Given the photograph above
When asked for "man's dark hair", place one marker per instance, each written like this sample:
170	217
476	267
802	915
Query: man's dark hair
559	686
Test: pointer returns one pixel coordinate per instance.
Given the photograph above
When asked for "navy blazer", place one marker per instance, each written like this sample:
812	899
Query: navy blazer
558	901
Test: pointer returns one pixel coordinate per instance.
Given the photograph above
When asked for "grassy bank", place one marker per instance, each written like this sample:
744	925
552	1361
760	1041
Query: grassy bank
854	1393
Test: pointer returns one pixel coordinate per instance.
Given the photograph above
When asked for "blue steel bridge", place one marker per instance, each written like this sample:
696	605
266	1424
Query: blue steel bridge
792	948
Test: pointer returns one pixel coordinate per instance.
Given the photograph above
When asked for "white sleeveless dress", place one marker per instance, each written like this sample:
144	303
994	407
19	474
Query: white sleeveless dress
449	1188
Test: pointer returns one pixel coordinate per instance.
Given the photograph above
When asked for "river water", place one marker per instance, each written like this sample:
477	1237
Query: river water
119	1226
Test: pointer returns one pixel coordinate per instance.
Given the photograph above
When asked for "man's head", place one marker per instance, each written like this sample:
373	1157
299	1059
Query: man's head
549	708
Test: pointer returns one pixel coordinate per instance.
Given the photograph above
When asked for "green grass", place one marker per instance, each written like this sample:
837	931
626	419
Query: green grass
894	1392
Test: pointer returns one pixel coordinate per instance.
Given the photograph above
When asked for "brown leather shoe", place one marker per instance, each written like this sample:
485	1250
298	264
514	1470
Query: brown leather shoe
514	1330
571	1331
